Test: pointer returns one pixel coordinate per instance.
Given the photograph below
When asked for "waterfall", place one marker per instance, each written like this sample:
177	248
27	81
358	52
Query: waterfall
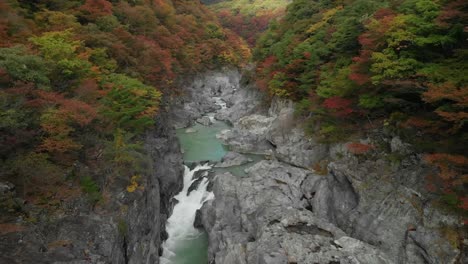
185	243
183	237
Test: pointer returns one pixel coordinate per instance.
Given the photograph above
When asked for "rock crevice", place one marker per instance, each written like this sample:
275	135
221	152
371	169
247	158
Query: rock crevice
361	210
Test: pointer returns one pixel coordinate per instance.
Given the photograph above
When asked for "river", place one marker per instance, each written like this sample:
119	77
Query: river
186	244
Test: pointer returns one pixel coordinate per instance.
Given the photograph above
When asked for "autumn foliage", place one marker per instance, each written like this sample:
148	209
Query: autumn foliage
338	106
82	80
350	65
451	176
247	26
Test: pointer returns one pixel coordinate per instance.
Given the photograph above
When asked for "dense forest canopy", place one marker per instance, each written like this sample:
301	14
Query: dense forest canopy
354	65
248	18
81	80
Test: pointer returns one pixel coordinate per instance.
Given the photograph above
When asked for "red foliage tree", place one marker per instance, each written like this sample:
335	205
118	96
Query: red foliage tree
247	26
451	176
338	106
92	9
370	41
455	10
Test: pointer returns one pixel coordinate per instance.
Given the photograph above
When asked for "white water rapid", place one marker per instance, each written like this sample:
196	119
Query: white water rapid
219	102
184	240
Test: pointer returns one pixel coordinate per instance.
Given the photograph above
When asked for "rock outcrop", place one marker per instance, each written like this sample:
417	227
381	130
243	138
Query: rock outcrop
361	209
128	228
200	93
232	159
274	131
262	218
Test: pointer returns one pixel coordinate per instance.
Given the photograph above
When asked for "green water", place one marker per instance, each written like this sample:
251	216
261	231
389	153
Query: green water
192	251
203	144
200	146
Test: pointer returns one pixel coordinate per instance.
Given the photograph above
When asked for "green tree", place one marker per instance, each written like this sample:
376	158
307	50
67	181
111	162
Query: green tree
21	66
129	103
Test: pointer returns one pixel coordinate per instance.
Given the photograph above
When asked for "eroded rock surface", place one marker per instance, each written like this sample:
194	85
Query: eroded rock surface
233	159
262	219
375	207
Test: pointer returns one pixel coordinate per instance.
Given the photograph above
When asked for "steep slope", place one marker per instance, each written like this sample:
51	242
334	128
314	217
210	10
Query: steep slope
359	65
248	18
86	170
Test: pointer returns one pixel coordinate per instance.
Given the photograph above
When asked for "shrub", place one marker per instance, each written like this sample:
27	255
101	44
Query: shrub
90	187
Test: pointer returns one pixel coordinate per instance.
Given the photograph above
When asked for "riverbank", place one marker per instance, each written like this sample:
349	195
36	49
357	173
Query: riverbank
317	202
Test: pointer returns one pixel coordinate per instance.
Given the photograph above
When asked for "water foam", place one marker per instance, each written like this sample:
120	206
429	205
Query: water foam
180	224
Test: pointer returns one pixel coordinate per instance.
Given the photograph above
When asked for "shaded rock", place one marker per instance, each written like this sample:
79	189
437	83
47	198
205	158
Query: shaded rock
292	145
371	202
198	222
194	185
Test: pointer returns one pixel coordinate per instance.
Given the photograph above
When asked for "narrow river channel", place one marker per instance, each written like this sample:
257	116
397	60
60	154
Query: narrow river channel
186	244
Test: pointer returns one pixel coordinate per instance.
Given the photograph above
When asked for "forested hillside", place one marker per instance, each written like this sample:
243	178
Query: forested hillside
248	18
80	81
353	66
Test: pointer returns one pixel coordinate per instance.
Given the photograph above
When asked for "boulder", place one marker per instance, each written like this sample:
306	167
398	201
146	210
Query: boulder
204	120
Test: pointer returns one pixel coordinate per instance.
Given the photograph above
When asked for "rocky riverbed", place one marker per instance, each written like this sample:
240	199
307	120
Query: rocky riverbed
284	210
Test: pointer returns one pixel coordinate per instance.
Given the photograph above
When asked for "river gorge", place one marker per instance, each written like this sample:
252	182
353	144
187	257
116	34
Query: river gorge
235	180
258	200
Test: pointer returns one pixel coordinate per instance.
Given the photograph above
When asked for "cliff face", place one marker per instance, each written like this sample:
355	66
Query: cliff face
320	203
127	229
307	203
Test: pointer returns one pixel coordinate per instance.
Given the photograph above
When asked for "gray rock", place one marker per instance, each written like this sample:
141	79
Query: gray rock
200	92
204	120
398	146
278	133
260	219
244	101
232	159
374	201
376	204
292	145
427	246
248	135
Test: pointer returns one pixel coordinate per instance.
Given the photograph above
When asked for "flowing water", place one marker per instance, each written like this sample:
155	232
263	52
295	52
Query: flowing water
186	244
